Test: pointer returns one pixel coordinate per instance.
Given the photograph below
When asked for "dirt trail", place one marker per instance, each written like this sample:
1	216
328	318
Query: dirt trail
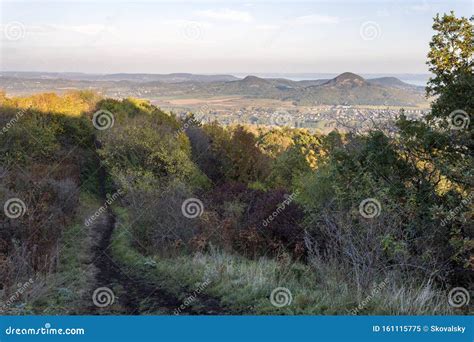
135	295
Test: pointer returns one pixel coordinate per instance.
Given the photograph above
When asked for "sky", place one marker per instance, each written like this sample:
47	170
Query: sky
153	36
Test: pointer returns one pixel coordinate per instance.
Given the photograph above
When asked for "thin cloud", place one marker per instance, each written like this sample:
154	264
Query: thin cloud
184	22
226	14
88	29
421	7
84	29
267	27
312	19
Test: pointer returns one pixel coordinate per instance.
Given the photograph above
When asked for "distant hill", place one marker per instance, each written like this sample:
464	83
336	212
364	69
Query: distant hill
347	79
167	78
254	86
346	89
352	89
307	83
392	82
253	81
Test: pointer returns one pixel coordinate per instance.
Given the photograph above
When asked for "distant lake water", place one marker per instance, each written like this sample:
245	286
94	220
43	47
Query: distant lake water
415	81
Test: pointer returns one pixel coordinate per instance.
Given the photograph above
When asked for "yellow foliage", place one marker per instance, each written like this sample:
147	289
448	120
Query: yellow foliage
72	103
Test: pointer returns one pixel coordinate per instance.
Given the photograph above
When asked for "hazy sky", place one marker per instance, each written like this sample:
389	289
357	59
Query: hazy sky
219	37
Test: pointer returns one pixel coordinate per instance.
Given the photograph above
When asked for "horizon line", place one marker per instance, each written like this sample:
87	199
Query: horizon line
250	73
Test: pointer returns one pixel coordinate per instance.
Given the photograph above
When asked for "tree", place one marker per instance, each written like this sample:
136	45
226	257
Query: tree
301	157
451	61
445	139
440	147
451	50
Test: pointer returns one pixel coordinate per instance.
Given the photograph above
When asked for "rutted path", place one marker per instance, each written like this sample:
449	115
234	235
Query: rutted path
134	295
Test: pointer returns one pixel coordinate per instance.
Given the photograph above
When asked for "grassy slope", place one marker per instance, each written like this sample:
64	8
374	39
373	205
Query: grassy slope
66	291
244	285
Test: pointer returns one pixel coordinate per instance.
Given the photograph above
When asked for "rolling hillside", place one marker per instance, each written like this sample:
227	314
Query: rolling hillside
345	89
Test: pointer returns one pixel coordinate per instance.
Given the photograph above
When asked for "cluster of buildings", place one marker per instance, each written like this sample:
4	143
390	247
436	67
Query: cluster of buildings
320	117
